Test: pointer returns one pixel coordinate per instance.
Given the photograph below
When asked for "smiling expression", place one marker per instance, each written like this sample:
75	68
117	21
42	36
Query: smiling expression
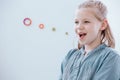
87	26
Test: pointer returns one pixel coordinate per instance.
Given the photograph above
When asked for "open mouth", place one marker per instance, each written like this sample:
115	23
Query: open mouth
82	35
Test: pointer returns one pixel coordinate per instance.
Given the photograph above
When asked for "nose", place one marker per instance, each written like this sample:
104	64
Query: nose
79	26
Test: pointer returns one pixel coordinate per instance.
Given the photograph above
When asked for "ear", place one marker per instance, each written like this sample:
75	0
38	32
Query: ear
104	24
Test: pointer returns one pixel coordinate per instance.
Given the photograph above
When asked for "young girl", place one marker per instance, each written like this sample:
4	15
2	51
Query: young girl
95	58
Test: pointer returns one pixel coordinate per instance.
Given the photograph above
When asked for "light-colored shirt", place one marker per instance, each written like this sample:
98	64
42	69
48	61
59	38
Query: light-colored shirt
102	63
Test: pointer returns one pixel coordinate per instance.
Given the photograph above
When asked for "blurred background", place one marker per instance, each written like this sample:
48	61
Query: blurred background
34	49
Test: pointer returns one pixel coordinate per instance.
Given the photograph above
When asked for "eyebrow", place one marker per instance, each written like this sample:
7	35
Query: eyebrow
82	19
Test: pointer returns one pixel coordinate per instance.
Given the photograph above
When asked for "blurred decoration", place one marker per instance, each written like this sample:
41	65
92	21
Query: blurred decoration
66	33
41	26
27	21
54	29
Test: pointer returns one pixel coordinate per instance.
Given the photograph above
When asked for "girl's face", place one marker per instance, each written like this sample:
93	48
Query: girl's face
87	26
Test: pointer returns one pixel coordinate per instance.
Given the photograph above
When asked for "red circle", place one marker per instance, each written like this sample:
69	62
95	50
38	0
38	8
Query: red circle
41	26
27	21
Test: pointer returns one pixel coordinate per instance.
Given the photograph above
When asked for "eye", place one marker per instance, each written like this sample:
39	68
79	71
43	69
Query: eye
76	22
86	21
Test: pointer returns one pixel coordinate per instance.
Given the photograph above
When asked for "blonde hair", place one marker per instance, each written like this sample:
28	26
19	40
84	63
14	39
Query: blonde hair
106	35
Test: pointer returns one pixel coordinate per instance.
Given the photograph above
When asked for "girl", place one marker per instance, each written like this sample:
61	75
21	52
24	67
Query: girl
95	58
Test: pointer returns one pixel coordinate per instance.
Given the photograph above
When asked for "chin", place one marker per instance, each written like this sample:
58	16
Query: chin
82	42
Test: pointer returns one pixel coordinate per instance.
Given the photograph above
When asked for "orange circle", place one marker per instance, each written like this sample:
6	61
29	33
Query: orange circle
27	21
41	26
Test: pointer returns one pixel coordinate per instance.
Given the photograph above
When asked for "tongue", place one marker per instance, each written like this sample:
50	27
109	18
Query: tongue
82	36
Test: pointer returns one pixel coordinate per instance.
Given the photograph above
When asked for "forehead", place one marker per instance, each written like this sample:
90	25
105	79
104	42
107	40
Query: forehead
85	13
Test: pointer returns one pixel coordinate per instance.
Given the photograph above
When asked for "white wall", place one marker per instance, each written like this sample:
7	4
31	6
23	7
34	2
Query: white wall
29	53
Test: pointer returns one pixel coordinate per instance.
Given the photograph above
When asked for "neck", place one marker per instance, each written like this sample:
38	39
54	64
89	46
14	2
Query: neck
89	47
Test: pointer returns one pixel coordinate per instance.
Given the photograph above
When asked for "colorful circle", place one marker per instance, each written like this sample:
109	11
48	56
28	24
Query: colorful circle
53	29
66	33
41	26
27	21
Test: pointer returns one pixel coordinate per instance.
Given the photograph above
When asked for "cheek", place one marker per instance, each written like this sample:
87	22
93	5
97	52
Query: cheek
93	32
75	30
95	29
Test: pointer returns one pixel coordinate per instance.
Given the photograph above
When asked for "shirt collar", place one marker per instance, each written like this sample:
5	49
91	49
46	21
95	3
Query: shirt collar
100	47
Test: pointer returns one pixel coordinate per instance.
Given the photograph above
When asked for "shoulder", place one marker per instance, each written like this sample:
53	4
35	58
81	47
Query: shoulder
114	59
112	51
111	55
67	57
70	53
